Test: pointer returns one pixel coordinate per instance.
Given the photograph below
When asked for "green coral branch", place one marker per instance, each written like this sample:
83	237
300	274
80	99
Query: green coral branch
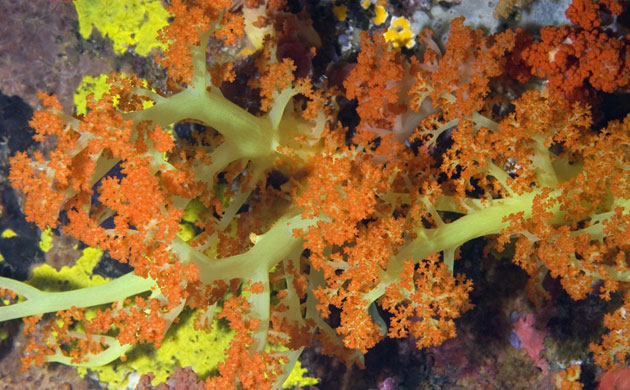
40	302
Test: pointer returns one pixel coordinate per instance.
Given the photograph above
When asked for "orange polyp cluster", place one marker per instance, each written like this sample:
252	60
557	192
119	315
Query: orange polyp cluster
574	59
191	18
320	222
374	81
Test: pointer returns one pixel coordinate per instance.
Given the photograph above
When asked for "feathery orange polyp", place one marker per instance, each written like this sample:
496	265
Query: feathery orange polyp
576	58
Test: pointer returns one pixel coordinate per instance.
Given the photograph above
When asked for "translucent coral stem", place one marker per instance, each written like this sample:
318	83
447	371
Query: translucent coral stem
40	302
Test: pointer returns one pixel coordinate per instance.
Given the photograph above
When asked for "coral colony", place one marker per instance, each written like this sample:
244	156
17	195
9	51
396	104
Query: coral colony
293	216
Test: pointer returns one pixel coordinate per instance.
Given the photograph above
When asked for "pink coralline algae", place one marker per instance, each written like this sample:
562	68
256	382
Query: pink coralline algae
531	338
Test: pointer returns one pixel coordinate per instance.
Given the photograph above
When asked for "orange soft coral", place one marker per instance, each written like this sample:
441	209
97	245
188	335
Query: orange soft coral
192	19
426	301
458	81
614	349
292	226
375	81
574	59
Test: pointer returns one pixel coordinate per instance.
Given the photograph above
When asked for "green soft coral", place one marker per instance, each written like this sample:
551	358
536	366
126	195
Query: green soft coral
183	346
92	88
298	379
47	278
126	22
96	86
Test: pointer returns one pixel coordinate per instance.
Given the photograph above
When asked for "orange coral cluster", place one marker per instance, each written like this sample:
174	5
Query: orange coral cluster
614	349
375	82
299	222
459	79
426	302
574	59
138	323
191	19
